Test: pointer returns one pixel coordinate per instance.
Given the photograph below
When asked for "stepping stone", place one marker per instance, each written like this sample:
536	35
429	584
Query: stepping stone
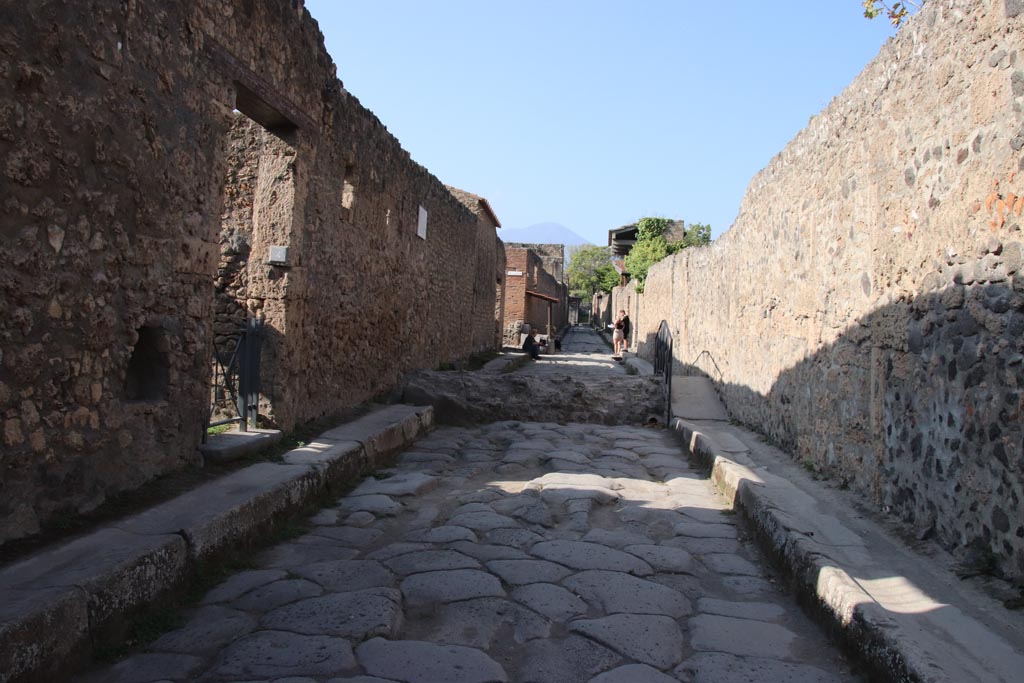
449	586
569	660
410	661
275	654
616	592
357	615
347	575
702	530
208	629
276	594
552	601
761	611
519	572
517	538
743	637
580	555
353	537
713	667
563	479
633	673
441	534
731	564
663	558
483	521
483	622
429	561
377	504
486	552
242	583
648	639
404	484
616	539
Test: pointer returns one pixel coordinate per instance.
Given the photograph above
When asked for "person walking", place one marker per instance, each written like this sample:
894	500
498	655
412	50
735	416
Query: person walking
627	327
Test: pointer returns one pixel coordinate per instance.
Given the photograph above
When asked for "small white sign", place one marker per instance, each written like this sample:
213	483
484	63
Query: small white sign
421	225
514	272
278	256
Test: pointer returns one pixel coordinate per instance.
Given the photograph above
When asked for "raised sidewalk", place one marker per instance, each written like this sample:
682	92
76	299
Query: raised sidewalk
907	615
59	604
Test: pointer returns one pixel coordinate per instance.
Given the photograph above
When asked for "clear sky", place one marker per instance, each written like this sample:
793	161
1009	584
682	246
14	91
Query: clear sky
593	113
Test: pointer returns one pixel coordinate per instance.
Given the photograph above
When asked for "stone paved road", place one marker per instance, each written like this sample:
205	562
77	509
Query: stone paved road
515	551
508	552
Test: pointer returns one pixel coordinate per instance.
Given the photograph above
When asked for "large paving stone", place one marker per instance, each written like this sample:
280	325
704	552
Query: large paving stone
357	615
403	484
615	538
744	637
485	552
518	572
483	521
483	622
725	563
449	586
378	504
646	638
390	550
633	673
569	660
517	538
552	601
703	530
580	555
295	554
441	534
663	558
273	654
354	537
240	584
715	667
347	575
208	629
146	667
616	592
761	611
429	561
276	594
411	661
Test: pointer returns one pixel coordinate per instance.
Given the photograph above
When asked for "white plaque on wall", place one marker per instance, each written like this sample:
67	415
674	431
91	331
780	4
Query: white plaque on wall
421	224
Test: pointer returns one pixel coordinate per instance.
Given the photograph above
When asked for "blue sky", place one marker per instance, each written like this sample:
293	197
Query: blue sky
592	114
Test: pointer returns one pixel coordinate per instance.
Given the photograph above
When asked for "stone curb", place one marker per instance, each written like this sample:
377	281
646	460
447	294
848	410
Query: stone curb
643	368
891	652
235	444
57	605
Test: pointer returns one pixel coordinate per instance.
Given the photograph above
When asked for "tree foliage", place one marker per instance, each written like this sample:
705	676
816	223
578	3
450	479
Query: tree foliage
897	12
590	270
651	245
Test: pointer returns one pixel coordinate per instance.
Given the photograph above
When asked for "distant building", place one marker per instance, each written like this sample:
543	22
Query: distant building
535	289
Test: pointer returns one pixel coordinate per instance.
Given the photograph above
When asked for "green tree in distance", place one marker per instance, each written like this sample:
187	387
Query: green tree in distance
590	270
897	12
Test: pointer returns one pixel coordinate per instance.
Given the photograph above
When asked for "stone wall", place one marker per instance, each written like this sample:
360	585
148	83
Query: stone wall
866	309
130	201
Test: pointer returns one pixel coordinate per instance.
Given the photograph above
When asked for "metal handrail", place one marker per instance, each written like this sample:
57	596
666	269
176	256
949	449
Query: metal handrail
708	354
663	366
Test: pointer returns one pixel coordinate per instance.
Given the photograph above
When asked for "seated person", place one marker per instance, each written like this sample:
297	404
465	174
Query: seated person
530	345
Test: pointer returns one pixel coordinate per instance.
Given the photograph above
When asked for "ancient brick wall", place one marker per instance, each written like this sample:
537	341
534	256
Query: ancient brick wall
866	309
532	261
129	203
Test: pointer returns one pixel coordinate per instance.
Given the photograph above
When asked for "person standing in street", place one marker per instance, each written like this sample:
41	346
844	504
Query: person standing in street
627	327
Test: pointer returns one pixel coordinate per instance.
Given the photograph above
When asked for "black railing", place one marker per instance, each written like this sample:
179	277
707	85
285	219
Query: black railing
239	378
663	366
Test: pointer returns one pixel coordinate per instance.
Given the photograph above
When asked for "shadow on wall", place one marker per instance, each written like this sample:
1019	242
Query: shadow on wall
919	405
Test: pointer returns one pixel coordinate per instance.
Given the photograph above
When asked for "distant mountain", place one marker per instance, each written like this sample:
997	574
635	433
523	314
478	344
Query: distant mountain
543	233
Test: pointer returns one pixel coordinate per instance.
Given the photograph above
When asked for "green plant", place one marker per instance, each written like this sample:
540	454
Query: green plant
644	254
590	270
220	429
648	228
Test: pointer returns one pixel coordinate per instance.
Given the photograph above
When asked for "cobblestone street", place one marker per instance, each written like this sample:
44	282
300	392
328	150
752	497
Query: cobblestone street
507	552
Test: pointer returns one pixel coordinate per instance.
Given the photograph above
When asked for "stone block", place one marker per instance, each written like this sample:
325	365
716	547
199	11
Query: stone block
386	431
236	444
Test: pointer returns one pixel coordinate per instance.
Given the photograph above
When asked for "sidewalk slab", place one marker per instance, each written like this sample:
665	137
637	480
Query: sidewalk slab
643	367
908	619
235	444
56	605
695	398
